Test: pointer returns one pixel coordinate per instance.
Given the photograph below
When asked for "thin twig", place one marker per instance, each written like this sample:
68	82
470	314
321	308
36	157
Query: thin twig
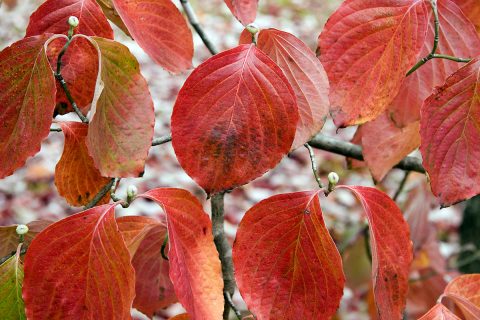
164	246
11	254
433	54
228	299
55	129
192	19
161	140
314	165
223	247
401	186
99	196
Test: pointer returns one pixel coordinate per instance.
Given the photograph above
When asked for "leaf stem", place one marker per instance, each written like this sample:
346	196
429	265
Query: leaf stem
314	165
401	186
106	188
436	39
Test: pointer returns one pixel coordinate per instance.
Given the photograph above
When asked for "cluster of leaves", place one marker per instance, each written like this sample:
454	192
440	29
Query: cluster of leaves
235	117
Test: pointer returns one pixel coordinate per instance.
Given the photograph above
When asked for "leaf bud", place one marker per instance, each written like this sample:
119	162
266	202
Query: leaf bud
73	21
22	229
131	192
252	28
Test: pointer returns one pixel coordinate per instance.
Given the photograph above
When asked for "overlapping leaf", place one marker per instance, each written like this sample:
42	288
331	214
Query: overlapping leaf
234	118
366	48
391	250
450	135
121	130
457	38
306	75
286	263
384	144
465	291
79	268
153	287
472	9
112	14
439	312
9	238
160	29
76	177
244	10
11	278
27	101
194	264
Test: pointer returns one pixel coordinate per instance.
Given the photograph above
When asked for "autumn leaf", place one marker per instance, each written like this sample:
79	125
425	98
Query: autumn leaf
439	312
27	100
153	287
384	144
11	278
367	47
121	130
307	77
286	263
471	8
195	268
112	14
457	38
79	268
450	135
9	238
464	290
76	177
244	10
391	250
234	119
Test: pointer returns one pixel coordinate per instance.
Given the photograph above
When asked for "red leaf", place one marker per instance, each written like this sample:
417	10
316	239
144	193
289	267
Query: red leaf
472	9
234	119
160	29
121	131
457	38
153	288
286	263
52	17
450	135
384	144
76	177
27	100
366	48
439	312
9	238
244	10
194	264
306	75
391	250
79	268
464	290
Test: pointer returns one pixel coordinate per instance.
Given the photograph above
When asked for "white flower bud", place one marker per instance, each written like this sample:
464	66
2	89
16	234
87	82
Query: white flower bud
132	191
73	21
22	229
333	178
252	28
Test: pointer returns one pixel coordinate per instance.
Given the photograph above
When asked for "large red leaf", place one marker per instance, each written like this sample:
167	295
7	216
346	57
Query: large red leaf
27	101
234	119
244	10
472	9
160	29
80	62
306	75
366	48
439	312
450	135
76	177
286	263
384	144
194	264
9	238
121	131
392	251
457	38
79	268
464	290
153	287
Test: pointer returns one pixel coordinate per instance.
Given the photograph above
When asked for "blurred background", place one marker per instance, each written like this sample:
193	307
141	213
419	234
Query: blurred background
443	245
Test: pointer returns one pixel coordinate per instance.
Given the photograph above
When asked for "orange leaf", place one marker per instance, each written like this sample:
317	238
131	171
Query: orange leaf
439	312
79	268
286	263
234	119
9	237
367	47
182	316
471	8
464	290
194	264
76	177
134	230
307	77
391	250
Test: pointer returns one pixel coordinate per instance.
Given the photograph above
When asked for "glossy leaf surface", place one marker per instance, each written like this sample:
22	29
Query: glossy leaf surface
79	268
450	135
234	119
306	75
367	47
160	29
286	263
27	101
194	264
391	249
